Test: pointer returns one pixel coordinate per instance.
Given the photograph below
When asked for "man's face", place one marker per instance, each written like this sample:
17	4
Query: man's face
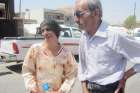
82	15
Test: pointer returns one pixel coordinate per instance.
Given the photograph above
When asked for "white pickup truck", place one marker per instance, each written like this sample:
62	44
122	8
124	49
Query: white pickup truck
136	33
15	48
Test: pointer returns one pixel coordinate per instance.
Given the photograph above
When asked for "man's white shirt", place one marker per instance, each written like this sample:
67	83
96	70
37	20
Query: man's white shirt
103	57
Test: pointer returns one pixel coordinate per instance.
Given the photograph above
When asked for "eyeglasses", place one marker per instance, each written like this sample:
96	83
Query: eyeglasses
80	13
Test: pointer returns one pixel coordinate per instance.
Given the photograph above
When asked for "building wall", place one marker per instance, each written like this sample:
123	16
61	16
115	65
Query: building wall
55	15
11	28
45	14
8	8
2	10
36	14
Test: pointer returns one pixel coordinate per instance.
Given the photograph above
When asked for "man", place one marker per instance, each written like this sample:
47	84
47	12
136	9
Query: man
103	52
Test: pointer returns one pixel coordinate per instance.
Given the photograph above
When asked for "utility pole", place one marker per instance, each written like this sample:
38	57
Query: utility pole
135	14
135	8
20	8
134	25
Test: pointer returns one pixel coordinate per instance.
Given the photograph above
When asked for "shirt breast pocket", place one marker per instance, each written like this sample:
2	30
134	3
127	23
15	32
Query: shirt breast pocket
104	55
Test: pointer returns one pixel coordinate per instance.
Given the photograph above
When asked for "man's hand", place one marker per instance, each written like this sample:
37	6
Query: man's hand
121	86
85	91
122	82
84	87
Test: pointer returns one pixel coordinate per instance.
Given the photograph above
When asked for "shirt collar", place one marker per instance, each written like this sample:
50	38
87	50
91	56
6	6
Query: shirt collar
101	32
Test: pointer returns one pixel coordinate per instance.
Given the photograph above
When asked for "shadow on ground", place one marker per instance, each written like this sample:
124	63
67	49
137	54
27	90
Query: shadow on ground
16	68
5	73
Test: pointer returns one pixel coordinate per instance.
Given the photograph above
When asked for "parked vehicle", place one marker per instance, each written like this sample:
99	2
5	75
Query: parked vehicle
136	33
15	48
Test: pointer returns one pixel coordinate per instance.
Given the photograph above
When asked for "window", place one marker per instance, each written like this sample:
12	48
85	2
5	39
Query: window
76	33
137	34
65	32
1	14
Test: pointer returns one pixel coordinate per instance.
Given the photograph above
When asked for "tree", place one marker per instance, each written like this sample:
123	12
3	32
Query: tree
130	22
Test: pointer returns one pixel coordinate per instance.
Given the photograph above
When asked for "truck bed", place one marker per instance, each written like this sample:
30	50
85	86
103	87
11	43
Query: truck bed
15	48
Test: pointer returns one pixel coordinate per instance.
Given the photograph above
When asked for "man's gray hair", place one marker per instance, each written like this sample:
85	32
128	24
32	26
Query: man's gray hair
93	4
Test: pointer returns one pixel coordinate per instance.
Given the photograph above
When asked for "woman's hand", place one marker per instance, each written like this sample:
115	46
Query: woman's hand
55	92
35	90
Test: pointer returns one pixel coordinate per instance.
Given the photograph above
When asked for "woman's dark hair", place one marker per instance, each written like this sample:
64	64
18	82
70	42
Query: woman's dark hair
52	25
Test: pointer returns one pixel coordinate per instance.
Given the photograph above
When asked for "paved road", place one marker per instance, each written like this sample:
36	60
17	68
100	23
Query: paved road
11	81
133	84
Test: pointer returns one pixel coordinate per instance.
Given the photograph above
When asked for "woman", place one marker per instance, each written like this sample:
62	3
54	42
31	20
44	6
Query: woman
48	67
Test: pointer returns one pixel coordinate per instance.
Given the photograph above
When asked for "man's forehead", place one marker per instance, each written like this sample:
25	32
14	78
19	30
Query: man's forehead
80	4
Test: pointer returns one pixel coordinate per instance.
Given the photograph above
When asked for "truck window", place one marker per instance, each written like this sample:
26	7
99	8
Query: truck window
65	32
137	34
76	33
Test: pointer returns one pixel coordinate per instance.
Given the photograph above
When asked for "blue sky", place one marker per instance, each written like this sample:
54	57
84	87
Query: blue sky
114	11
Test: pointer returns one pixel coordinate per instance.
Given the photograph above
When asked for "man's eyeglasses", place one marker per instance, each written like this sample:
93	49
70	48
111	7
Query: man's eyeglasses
80	13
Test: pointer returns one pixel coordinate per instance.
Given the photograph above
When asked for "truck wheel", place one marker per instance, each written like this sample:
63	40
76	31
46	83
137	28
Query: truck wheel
4	59
77	58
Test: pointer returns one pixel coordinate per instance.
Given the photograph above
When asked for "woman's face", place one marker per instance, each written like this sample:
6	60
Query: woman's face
48	34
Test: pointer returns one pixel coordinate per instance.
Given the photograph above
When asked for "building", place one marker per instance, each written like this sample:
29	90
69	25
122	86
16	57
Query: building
62	15
7	8
9	25
2	8
69	18
57	15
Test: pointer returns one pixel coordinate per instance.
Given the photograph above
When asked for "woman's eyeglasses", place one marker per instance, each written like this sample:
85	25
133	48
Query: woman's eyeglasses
80	13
